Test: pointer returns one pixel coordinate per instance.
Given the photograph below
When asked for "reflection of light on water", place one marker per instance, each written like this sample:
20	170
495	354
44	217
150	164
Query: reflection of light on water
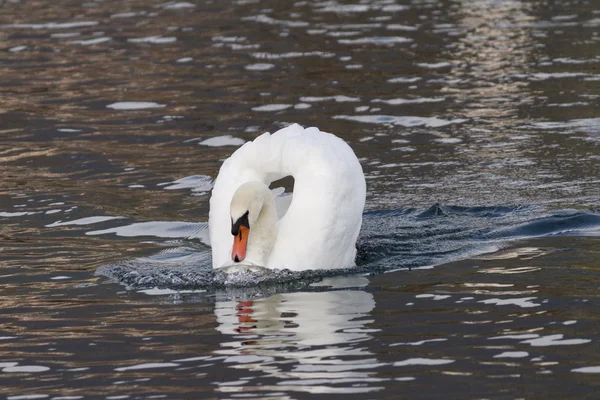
304	340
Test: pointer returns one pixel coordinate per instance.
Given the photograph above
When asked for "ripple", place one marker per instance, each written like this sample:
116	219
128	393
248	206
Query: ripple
438	65
25	368
93	41
272	107
198	184
264	19
162	229
259	67
512	354
587	370
405	121
54	25
225	140
524	302
338	99
378	40
134	105
154	39
399	101
292	54
83	221
554	340
147	366
177	5
423	361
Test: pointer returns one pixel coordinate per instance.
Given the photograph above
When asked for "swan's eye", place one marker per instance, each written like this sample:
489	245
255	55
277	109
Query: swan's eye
242	221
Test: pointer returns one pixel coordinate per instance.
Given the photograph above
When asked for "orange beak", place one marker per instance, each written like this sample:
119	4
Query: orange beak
240	241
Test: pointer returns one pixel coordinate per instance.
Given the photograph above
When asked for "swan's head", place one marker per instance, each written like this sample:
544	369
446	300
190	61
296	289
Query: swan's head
252	224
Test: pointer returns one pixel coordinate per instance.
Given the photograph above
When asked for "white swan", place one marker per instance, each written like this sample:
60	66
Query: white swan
315	228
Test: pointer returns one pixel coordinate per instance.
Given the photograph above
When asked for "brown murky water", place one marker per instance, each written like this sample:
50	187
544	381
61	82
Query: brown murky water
478	127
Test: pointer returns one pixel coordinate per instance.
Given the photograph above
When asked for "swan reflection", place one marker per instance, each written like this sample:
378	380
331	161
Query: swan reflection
309	342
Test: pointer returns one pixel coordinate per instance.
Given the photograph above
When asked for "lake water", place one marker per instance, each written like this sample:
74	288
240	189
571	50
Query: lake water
478	127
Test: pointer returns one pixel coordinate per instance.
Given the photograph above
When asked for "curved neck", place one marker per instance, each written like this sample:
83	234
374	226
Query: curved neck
263	231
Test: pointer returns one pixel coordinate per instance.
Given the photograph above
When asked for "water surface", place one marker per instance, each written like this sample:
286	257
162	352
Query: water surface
477	126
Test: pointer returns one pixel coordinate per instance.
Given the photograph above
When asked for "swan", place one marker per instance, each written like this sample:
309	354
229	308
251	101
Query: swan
315	227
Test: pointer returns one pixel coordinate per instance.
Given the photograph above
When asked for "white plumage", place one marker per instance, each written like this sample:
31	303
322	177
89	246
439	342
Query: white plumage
319	227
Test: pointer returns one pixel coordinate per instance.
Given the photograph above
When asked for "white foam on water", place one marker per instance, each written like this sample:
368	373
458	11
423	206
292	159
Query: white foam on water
136	186
512	354
68	130
272	107
523	302
587	370
154	39
27	397
82	221
570	322
60	277
423	361
184	60
554	340
259	67
7	338
377	40
405	121
225	140
89	42
54	25
134	105
302	106
147	366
